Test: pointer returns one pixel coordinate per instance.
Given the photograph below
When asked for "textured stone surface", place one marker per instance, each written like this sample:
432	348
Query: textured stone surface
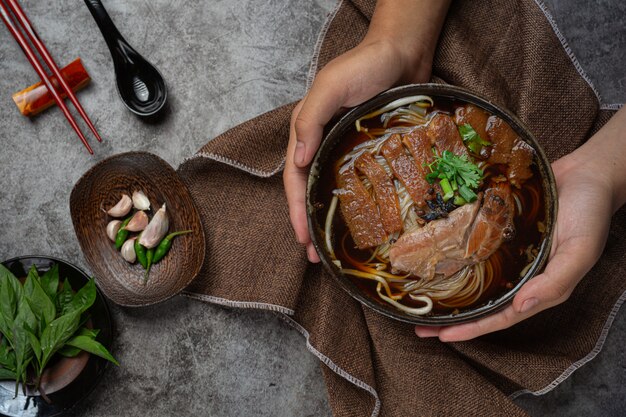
224	62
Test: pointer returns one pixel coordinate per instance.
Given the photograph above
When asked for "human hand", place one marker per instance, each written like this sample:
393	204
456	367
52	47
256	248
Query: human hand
347	81
586	204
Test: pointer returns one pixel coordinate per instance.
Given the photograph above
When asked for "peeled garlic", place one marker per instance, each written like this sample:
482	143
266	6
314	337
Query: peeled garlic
128	251
138	222
156	229
112	228
122	208
140	201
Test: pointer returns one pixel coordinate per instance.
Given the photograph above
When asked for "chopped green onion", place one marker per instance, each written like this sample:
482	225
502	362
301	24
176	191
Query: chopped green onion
448	192
469	195
459	201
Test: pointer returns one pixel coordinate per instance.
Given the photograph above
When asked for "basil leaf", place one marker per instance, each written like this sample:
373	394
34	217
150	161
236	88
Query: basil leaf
34	344
84	298
24	320
69	351
31	278
5	329
85	331
90	345
7	374
40	303
50	281
7	356
64	297
10	292
57	333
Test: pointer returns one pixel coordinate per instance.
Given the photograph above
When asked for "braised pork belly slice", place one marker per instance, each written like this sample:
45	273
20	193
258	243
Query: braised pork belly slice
406	170
493	225
384	192
502	139
470	234
359	210
473	116
519	165
444	134
508	148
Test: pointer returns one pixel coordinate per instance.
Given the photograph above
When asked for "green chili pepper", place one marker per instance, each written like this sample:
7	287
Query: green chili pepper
149	257
140	251
166	244
122	234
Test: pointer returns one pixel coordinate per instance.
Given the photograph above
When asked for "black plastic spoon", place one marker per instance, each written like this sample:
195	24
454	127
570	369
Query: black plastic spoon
139	83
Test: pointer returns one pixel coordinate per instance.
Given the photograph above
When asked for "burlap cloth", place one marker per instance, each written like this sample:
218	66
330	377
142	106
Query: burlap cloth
504	50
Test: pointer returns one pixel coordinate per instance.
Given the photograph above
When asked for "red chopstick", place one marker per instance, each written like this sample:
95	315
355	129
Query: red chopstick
21	40
43	51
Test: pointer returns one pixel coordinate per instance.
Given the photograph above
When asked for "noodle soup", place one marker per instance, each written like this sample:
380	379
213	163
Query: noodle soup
430	207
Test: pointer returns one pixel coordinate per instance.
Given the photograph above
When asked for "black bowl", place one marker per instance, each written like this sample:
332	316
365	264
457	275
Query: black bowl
323	161
84	371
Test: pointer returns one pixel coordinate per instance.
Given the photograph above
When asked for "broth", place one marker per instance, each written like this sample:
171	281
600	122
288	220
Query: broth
508	261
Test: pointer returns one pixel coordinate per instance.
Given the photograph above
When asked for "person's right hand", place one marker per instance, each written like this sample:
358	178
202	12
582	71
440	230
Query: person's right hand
398	48
347	81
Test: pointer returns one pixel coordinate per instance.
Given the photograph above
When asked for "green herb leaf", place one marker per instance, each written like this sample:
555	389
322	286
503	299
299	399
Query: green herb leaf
64	297
92	346
69	351
24	322
7	374
40	303
472	139
7	355
84	298
457	170
85	331
57	333
10	292
31	278
50	282
34	343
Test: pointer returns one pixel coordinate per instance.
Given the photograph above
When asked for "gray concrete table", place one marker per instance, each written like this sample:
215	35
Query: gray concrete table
225	62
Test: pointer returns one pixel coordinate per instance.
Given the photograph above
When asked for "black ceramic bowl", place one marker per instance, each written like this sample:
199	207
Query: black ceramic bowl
324	160
69	380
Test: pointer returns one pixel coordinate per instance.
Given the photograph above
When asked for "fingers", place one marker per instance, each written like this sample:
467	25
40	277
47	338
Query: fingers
294	179
571	261
569	264
311	253
307	125
324	99
427	331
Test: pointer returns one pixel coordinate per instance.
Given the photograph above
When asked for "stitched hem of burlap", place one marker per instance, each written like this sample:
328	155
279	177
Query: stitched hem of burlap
594	352
286	312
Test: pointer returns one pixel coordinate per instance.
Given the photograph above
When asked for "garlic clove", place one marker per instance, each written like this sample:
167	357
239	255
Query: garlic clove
112	228
156	229
138	222
128	251
122	208
140	201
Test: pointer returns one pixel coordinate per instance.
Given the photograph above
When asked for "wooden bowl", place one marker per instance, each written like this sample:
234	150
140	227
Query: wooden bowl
100	189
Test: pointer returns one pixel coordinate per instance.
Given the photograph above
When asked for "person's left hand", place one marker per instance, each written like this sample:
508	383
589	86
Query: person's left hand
583	219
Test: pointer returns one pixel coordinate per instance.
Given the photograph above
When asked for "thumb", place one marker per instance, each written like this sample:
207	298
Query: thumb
319	106
571	261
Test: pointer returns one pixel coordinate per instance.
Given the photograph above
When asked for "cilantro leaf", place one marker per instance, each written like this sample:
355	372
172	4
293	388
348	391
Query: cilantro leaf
455	172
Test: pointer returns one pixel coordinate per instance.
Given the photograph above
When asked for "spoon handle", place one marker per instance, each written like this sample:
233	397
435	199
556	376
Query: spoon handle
112	36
